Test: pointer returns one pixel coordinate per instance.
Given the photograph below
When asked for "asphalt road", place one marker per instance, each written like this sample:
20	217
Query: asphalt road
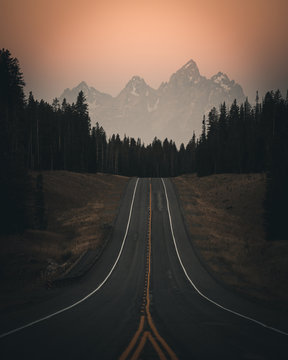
147	297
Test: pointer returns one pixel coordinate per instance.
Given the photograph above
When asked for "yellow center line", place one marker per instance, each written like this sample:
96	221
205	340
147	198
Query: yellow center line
134	339
149	317
156	347
140	346
147	334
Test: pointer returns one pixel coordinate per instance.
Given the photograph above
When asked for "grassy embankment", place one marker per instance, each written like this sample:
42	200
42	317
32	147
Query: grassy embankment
224	214
79	212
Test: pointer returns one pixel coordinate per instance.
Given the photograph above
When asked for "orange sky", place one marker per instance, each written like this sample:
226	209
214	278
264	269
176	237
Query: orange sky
106	42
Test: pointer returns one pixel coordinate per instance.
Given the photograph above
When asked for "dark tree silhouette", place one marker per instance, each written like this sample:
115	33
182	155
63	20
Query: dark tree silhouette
38	136
13	170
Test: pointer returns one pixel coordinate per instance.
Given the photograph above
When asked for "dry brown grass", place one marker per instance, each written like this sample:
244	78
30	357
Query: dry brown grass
82	207
224	214
79	210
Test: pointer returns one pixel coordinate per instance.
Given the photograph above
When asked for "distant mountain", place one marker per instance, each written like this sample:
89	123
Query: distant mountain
174	110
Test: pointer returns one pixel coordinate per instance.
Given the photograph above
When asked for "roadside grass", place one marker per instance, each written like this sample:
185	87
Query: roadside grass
79	210
224	215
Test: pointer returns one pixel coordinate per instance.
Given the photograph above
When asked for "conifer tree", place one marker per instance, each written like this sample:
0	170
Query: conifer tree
12	145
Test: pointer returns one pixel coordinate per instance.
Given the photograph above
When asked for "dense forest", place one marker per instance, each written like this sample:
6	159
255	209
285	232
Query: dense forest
35	135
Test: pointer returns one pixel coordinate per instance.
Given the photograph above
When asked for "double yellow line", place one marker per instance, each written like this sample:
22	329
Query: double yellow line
136	346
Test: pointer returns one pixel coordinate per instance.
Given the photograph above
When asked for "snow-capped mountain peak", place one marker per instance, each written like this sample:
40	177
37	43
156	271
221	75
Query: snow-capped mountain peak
93	96
174	110
136	86
190	69
190	65
187	74
136	81
83	87
83	84
220	78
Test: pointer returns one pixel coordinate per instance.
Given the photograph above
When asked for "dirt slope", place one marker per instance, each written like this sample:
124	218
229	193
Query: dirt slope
224	214
79	210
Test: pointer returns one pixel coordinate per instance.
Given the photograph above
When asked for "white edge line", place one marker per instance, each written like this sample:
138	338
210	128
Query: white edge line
90	294
199	292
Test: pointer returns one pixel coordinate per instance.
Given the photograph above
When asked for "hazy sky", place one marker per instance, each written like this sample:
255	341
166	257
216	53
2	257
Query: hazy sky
106	42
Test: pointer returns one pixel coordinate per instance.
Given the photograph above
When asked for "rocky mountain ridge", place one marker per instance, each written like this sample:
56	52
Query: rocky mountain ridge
174	110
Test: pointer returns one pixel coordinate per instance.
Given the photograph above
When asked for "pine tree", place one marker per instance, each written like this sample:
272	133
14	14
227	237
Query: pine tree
13	182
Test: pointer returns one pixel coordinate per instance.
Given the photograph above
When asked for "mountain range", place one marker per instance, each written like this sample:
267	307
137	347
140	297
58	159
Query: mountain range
174	110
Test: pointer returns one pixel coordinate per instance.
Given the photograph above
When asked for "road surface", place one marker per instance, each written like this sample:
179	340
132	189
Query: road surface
147	297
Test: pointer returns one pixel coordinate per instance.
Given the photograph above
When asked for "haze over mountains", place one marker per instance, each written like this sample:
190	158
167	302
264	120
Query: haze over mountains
174	110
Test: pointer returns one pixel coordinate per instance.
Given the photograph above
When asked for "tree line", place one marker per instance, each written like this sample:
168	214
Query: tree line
36	135
60	137
245	139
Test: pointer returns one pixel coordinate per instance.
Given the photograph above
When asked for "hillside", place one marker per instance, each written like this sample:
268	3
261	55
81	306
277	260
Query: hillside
79	213
224	215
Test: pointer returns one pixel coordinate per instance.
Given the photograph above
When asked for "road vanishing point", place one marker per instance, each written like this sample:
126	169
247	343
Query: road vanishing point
147	297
